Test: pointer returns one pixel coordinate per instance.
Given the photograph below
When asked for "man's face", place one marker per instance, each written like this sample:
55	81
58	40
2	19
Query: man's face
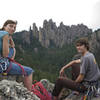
81	48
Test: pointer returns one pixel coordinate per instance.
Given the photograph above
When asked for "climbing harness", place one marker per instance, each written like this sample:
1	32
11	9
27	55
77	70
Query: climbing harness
4	66
92	88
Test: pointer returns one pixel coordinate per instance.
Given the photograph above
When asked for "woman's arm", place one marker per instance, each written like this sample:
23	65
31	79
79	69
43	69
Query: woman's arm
69	65
14	53
12	45
5	47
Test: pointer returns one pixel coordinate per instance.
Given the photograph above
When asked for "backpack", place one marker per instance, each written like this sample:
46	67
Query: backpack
39	90
3	64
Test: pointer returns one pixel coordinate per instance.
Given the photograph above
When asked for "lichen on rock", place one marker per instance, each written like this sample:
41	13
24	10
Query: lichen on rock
11	90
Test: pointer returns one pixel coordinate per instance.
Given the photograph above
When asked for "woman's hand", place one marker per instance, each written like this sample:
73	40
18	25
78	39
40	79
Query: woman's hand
11	42
14	53
12	45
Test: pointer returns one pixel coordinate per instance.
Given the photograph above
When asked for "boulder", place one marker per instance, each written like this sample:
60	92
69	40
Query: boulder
12	90
47	84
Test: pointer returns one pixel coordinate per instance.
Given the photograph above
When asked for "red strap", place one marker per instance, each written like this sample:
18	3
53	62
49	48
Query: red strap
10	66
41	92
12	60
37	92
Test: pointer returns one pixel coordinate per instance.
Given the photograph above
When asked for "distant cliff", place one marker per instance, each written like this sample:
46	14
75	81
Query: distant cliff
95	40
52	36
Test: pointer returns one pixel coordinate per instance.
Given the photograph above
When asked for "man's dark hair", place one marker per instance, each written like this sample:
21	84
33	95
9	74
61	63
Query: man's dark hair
83	41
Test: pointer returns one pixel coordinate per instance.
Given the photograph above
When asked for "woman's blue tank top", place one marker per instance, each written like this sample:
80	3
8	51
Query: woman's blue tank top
2	33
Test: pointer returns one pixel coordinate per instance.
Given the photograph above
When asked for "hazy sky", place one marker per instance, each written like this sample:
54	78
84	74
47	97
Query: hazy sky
71	12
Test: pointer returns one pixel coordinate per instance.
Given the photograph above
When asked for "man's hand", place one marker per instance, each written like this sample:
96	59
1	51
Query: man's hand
62	71
68	65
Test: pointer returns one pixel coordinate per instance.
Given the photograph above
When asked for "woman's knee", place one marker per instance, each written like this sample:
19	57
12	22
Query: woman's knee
29	71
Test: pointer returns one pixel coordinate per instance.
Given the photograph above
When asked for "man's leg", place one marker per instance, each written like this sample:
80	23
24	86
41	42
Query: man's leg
65	83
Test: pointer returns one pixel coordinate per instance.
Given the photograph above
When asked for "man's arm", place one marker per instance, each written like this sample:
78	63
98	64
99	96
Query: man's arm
69	65
80	78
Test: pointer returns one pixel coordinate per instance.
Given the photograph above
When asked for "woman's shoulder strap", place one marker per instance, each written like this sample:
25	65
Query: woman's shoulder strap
2	33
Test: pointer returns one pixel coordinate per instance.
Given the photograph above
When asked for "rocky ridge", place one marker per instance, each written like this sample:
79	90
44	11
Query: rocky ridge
95	40
51	35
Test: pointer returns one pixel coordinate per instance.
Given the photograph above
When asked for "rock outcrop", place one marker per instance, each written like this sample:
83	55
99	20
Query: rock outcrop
51	35
12	90
95	40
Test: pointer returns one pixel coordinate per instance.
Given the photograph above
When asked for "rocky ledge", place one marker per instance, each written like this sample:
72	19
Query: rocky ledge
12	90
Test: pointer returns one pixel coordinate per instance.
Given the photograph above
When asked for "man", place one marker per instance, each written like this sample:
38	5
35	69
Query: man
89	70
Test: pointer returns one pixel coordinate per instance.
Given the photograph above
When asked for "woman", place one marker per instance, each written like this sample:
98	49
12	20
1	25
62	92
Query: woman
89	71
7	49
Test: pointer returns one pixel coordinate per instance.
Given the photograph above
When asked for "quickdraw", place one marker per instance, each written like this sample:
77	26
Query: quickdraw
91	91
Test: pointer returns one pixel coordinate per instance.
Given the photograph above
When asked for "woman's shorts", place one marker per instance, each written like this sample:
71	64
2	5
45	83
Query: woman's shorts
16	69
